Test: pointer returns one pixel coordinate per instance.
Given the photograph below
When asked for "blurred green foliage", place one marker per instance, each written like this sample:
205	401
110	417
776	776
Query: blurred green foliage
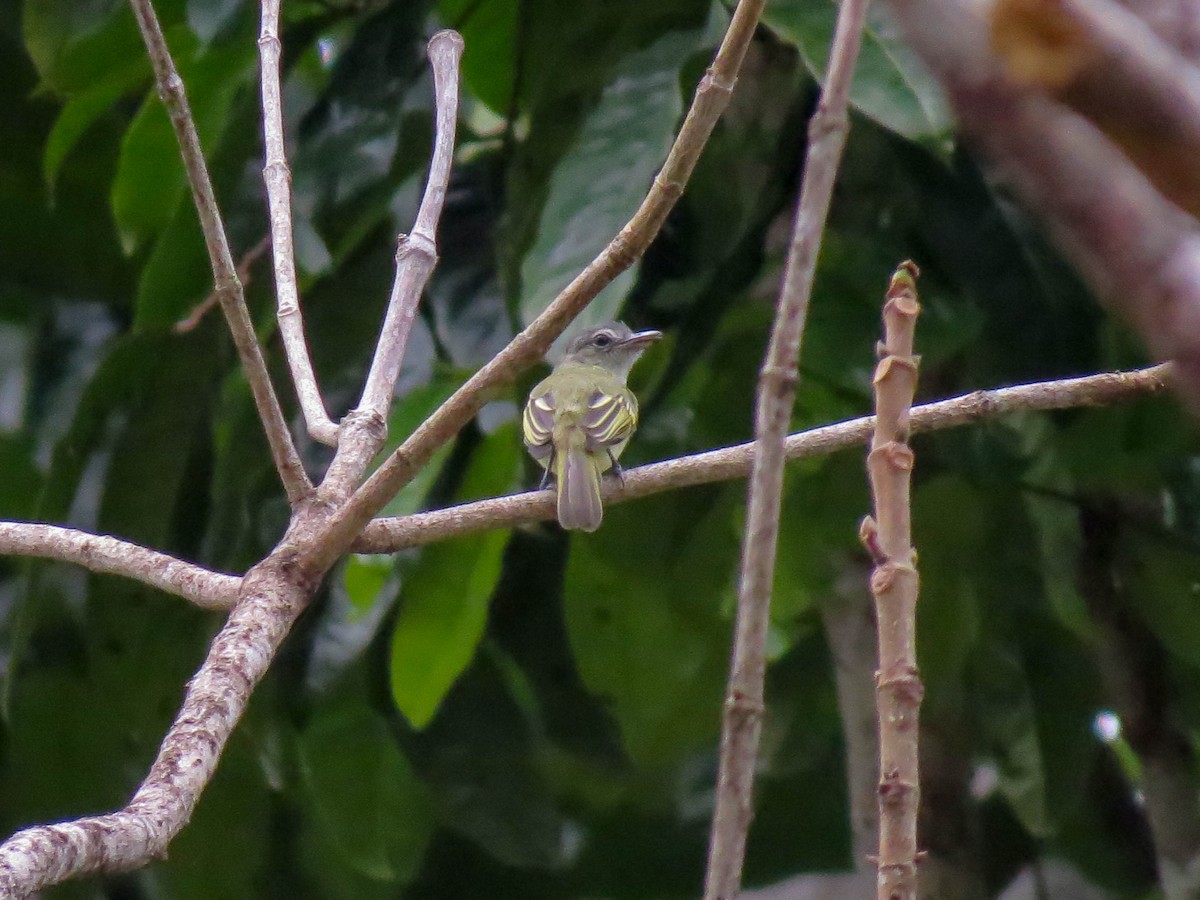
519	713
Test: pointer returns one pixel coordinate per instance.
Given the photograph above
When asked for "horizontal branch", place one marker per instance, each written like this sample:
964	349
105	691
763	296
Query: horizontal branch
391	534
112	556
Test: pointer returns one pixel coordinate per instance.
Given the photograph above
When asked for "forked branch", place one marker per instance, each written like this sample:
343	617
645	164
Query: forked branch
710	100
226	282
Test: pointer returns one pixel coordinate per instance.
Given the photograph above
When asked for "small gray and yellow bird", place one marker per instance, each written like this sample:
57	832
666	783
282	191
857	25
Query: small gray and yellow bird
579	419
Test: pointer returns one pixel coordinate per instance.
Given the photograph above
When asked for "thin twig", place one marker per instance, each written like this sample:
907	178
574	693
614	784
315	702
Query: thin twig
113	556
888	538
391	534
244	268
741	724
416	255
225	280
278	179
711	98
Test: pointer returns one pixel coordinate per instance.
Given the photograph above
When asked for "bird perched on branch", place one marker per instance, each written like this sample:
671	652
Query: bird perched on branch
579	419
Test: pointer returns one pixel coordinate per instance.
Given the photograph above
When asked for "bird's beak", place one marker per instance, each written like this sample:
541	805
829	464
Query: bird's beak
641	339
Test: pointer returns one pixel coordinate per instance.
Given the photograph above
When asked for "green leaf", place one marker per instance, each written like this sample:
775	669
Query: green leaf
489	62
367	801
603	178
444	601
407	414
84	108
177	276
890	84
150	178
648	636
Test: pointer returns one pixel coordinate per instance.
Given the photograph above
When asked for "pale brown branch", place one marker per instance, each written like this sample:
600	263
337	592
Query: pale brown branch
888	538
216	698
416	255
392	534
112	556
244	268
225	279
530	345
278	179
1139	251
741	724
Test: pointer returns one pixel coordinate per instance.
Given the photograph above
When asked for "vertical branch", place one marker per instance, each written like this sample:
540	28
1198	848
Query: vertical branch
225	279
416	255
888	537
278	179
742	720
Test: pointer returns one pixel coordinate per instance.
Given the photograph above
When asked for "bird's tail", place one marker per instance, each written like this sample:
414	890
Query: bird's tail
578	483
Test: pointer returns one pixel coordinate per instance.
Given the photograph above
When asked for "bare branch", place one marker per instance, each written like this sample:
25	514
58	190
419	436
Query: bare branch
416	255
227	285
278	179
216	698
530	345
113	556
192	320
741	724
392	534
888	538
1138	250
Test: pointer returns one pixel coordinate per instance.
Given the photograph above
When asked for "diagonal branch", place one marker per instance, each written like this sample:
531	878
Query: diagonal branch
225	279
113	556
711	98
278	179
741	724
416	255
392	534
216	698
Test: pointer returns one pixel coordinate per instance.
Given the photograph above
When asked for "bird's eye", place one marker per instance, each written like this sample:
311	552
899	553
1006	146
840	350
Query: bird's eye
602	340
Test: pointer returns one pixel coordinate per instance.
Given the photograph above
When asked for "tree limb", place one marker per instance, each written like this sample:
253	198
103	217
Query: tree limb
278	179
113	556
741	722
711	98
388	535
225	279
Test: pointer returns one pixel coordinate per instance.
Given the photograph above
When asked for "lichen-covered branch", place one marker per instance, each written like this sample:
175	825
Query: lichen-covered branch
888	538
227	285
278	179
112	556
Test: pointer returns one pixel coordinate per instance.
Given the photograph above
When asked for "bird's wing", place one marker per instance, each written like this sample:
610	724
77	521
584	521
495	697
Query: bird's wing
537	426
610	419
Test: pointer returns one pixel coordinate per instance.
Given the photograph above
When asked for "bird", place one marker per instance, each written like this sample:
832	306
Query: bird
579	419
